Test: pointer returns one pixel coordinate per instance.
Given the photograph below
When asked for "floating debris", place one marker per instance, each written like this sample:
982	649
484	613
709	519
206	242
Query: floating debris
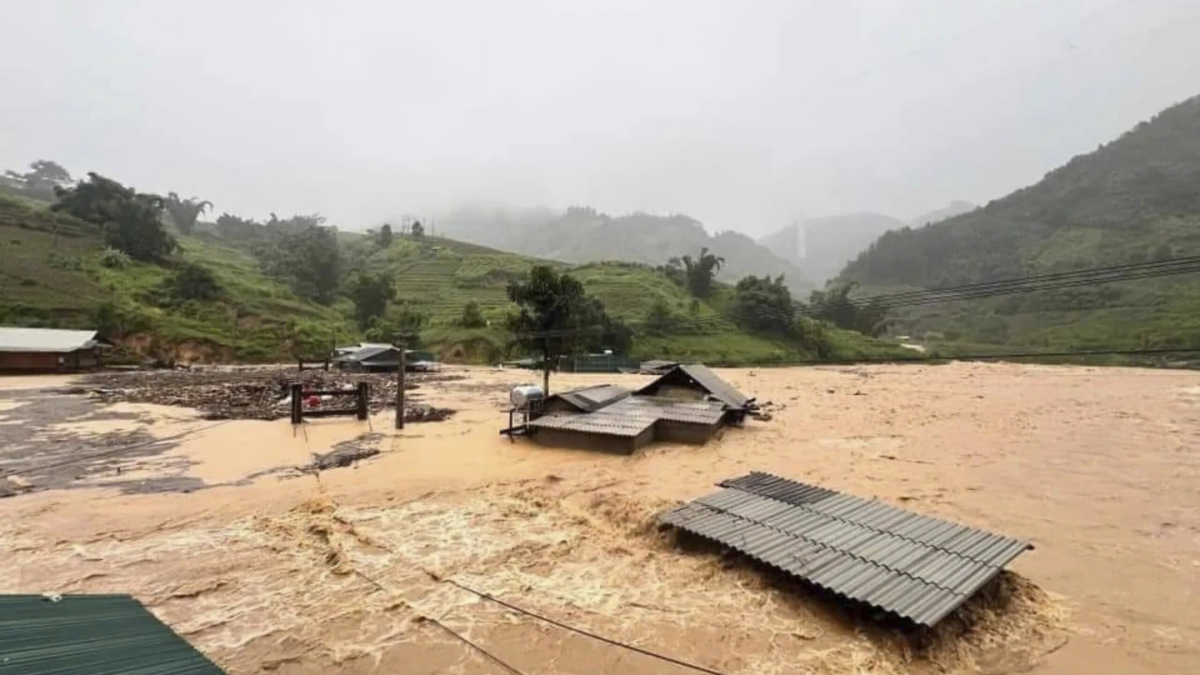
255	393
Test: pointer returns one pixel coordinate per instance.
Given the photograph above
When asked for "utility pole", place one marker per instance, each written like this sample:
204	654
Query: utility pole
401	344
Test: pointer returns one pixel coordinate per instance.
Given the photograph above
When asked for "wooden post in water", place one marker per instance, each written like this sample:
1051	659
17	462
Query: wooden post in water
362	400
400	344
297	403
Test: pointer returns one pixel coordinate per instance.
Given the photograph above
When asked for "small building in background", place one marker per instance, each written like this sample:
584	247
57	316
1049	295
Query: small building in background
47	350
383	358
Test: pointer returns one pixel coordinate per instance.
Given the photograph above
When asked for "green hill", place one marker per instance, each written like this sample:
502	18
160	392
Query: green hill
54	275
1132	200
57	273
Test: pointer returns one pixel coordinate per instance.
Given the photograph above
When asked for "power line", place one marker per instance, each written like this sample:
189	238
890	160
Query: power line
1041	282
453	633
1035	283
579	631
1096	275
988	357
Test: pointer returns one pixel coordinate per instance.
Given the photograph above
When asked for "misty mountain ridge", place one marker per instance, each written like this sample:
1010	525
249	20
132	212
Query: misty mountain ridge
822	246
955	208
585	235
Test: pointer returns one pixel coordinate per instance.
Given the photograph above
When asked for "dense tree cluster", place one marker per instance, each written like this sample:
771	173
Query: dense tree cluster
131	221
307	255
371	294
556	316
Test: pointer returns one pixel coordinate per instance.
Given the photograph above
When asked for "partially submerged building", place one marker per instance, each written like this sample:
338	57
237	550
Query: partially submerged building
688	404
47	350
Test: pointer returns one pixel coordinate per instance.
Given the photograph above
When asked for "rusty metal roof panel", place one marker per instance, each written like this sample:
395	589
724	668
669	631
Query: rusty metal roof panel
922	568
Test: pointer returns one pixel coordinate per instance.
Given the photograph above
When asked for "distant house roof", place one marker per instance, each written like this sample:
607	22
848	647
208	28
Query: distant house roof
657	366
372	353
593	398
700	376
45	339
94	634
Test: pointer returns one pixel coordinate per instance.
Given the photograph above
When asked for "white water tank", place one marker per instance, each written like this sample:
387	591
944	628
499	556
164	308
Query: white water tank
525	395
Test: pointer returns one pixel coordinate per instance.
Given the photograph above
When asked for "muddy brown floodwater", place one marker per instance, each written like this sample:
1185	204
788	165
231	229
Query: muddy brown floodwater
267	568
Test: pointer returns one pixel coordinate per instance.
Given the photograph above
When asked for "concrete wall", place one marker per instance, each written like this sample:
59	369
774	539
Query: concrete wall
621	445
682	432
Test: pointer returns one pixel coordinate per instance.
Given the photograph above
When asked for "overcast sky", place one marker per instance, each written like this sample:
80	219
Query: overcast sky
741	113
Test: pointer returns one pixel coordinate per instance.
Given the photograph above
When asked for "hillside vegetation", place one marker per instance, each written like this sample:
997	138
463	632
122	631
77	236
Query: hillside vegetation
58	272
1133	200
55	274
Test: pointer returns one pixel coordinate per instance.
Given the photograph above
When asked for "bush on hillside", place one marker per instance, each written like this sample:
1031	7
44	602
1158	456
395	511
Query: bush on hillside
194	282
472	317
114	259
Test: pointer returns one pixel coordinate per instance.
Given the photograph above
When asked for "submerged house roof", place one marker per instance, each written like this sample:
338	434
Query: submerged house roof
93	634
915	566
632	415
593	398
13	339
699	377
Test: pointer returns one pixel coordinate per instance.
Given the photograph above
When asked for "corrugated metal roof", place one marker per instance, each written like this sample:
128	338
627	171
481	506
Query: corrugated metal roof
591	399
722	390
93	634
45	339
595	423
917	567
632	415
704	378
691	412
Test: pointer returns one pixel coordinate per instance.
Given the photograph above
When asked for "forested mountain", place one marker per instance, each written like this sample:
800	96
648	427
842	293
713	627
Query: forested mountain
822	246
1131	200
583	235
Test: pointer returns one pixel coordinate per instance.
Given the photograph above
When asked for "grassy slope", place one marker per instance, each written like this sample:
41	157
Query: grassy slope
439	276
57	280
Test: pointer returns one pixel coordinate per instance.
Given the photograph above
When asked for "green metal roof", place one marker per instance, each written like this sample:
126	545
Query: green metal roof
92	634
